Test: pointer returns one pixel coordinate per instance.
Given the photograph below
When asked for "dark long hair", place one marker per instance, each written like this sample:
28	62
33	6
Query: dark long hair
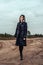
23	18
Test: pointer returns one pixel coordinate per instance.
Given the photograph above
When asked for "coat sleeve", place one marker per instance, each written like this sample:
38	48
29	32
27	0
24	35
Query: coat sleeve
16	30
25	30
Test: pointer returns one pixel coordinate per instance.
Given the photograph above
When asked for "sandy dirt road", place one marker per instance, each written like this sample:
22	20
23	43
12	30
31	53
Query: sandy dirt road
33	52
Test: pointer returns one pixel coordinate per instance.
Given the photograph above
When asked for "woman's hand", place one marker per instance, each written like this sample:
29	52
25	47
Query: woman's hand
23	38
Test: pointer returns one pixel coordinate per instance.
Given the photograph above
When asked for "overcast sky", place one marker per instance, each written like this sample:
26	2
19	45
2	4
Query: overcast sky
10	10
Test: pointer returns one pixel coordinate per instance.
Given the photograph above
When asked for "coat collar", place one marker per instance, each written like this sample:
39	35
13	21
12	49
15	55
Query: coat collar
21	22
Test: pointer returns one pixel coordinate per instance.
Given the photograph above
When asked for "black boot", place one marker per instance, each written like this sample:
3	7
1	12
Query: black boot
21	55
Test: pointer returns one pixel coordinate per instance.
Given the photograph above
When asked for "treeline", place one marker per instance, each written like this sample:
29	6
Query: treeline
28	35
6	36
34	36
9	36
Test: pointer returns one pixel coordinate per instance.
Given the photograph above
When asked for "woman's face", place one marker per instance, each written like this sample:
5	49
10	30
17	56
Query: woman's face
21	18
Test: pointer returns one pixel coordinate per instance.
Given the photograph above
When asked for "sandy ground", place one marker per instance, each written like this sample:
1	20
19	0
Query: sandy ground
33	52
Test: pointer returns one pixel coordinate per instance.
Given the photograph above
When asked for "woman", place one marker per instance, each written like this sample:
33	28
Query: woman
20	34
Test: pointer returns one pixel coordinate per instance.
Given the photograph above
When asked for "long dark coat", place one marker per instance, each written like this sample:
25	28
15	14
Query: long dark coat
20	33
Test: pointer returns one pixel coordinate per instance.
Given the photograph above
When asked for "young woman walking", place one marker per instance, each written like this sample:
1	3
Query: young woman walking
20	34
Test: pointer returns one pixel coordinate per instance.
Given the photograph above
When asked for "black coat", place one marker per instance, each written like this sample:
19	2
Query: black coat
20	33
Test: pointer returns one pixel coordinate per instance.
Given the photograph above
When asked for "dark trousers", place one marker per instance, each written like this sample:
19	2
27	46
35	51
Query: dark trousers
21	50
